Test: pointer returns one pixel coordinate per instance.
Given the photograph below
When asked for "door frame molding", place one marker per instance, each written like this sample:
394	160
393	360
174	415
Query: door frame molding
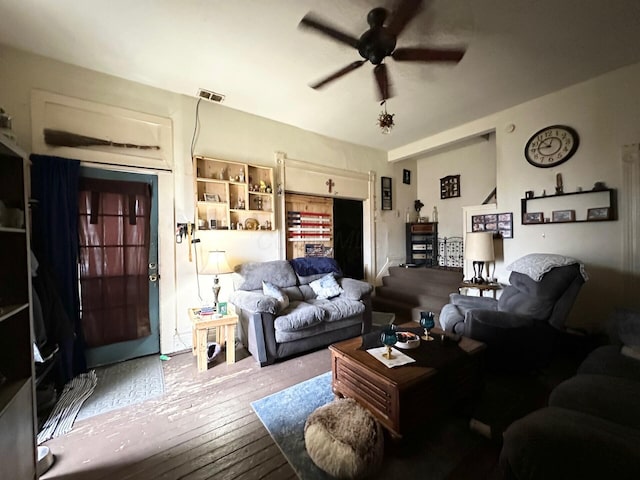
366	195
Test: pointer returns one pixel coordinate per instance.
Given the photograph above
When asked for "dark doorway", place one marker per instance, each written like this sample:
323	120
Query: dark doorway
347	244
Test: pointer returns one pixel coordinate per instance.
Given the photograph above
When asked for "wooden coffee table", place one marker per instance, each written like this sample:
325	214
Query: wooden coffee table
404	397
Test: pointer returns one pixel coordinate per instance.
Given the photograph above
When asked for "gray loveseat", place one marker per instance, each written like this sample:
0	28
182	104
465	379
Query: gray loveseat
271	332
591	428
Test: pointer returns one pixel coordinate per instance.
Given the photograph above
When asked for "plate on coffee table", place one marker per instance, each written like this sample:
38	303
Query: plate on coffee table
407	340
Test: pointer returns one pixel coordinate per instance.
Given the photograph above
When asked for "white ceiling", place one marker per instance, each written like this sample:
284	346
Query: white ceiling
252	52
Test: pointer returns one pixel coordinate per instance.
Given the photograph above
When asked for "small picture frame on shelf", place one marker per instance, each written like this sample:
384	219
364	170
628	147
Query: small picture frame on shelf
559	216
597	214
533	217
211	197
222	308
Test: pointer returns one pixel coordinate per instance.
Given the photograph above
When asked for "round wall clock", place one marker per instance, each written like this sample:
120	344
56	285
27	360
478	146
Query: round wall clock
551	146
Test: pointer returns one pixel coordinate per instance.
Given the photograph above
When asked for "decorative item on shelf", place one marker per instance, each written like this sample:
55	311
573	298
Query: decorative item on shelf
241	175
528	194
267	224
563	216
5	126
251	224
262	187
600	213
559	185
258	202
434	214
532	217
417	204
450	186
385	120
599	186
216	265
478	247
223	173
427	321
222	308
389	338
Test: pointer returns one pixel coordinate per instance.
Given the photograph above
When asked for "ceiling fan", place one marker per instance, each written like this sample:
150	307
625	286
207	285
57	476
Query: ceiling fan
379	42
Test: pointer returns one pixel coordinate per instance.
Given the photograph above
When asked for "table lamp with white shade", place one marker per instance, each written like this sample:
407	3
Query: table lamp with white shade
215	265
478	247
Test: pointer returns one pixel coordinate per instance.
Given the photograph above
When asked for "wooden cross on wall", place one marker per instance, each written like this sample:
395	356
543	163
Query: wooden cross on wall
330	184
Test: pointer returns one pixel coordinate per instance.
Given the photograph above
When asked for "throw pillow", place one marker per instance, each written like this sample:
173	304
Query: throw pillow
271	290
326	287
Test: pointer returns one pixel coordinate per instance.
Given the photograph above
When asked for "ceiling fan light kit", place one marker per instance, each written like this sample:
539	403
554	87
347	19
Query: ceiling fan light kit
385	120
379	42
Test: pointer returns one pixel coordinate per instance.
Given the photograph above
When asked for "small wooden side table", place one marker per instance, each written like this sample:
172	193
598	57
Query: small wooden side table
225	328
482	287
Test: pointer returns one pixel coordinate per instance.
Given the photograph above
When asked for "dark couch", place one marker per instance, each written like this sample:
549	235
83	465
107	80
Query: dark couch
271	332
522	326
591	427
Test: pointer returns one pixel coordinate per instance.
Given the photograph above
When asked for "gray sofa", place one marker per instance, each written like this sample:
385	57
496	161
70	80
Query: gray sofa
271	332
591	427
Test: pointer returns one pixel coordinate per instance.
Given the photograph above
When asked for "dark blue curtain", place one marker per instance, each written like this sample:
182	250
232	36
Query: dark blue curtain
54	184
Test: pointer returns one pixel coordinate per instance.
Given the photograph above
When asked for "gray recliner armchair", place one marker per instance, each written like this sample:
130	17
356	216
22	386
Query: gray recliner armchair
521	327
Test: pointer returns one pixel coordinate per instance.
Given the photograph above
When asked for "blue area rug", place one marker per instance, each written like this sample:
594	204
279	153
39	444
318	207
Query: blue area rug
284	414
433	452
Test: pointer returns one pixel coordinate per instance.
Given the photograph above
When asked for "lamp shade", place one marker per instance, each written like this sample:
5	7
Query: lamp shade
478	246
216	264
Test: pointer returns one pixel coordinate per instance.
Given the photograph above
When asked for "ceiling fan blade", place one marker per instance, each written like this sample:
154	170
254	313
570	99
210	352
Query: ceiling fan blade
338	74
403	15
313	22
382	79
427	55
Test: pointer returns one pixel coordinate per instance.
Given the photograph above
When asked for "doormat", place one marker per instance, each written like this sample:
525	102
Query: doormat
436	451
124	384
74	394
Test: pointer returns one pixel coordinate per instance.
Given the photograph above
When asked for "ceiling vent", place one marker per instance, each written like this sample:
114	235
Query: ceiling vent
211	96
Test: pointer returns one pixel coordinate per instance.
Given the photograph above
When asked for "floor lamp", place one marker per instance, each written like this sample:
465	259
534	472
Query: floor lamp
478	247
216	265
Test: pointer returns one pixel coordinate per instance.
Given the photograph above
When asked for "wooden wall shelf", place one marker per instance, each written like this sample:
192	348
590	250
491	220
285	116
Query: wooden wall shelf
579	202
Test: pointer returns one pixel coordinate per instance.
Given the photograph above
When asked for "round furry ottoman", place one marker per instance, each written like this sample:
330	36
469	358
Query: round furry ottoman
344	439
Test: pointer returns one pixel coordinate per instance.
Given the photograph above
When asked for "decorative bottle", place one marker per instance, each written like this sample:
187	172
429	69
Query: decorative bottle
434	214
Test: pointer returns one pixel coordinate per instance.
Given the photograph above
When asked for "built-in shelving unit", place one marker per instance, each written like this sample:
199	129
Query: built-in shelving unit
233	195
17	404
572	207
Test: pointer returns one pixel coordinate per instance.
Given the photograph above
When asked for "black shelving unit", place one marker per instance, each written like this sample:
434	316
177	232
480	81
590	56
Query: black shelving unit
613	206
422	243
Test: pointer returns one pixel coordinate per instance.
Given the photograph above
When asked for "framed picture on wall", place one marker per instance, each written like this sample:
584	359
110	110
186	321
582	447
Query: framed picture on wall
450	186
386	193
501	224
406	176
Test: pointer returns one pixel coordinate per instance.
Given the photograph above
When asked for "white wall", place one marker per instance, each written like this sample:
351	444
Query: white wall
606	113
224	133
475	162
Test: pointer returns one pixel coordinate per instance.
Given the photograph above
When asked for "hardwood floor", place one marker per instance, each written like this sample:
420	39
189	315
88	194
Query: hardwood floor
202	427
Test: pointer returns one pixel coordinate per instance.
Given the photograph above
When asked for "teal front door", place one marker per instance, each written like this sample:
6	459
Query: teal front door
118	263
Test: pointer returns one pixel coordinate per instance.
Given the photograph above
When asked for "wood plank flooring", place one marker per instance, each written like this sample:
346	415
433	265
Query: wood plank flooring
202	427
